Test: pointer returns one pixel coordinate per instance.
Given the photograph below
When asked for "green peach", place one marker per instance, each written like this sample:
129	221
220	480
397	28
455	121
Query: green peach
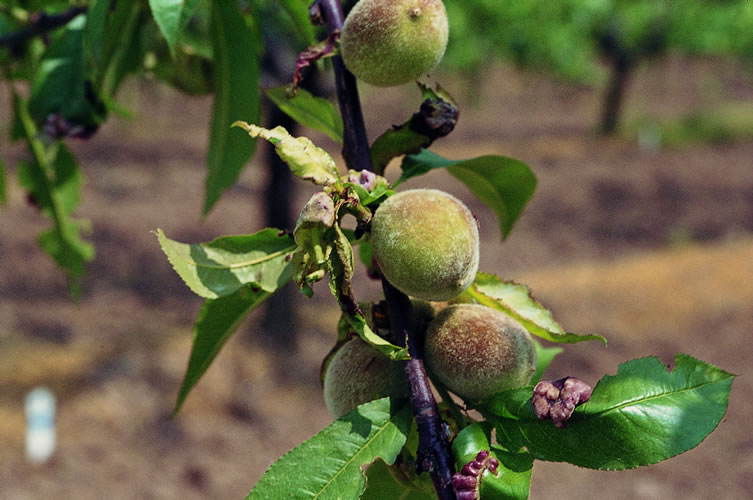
426	243
476	351
357	374
391	42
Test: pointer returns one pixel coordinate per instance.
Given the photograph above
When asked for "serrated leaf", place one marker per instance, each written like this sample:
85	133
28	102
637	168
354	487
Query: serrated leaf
236	71
310	111
171	17
225	265
503	184
329	465
642	415
305	160
54	180
513	477
217	320
516	301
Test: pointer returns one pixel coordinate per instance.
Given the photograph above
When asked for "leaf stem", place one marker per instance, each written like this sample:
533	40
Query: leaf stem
355	140
433	453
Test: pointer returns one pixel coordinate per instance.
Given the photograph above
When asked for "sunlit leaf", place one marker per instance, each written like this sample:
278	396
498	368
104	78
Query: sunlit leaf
305	160
218	319
642	415
503	184
310	111
227	264
236	71
329	465
516	301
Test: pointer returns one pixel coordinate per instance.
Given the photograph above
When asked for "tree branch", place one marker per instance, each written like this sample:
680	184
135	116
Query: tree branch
355	141
433	455
40	24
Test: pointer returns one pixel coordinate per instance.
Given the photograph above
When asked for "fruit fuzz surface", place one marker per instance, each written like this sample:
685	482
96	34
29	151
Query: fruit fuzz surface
476	351
392	42
426	243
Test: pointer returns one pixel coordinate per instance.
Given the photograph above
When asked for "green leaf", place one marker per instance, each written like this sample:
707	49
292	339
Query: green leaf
503	184
310	111
516	301
544	357
96	21
382	483
218	319
126	22
340	265
225	265
236	70
305	160
640	416
172	16
513	477
329	465
53	180
298	10
59	85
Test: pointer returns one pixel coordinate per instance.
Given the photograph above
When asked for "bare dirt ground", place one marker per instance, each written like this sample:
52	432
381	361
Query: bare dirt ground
652	249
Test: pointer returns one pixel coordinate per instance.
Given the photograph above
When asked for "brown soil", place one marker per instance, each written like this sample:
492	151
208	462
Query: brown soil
652	249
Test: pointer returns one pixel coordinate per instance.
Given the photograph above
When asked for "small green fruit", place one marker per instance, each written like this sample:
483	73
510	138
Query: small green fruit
391	42
476	351
357	374
426	243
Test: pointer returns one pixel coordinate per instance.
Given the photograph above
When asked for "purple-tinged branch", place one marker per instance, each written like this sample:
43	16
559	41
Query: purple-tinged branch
355	140
40	24
433	455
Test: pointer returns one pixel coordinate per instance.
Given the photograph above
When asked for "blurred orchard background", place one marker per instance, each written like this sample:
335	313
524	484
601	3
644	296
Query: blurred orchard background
636	116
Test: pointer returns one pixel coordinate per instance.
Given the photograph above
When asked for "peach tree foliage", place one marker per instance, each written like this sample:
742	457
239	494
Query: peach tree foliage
389	447
75	56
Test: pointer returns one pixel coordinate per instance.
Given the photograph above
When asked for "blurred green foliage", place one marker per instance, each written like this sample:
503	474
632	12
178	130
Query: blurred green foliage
566	36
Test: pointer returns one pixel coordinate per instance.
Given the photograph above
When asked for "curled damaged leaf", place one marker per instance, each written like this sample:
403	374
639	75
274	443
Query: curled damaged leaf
466	483
516	301
309	262
323	49
435	119
305	159
557	399
490	472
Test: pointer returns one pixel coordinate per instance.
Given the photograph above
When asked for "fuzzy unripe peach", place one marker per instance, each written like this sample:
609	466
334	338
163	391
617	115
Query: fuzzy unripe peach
476	351
357	374
426	243
391	42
